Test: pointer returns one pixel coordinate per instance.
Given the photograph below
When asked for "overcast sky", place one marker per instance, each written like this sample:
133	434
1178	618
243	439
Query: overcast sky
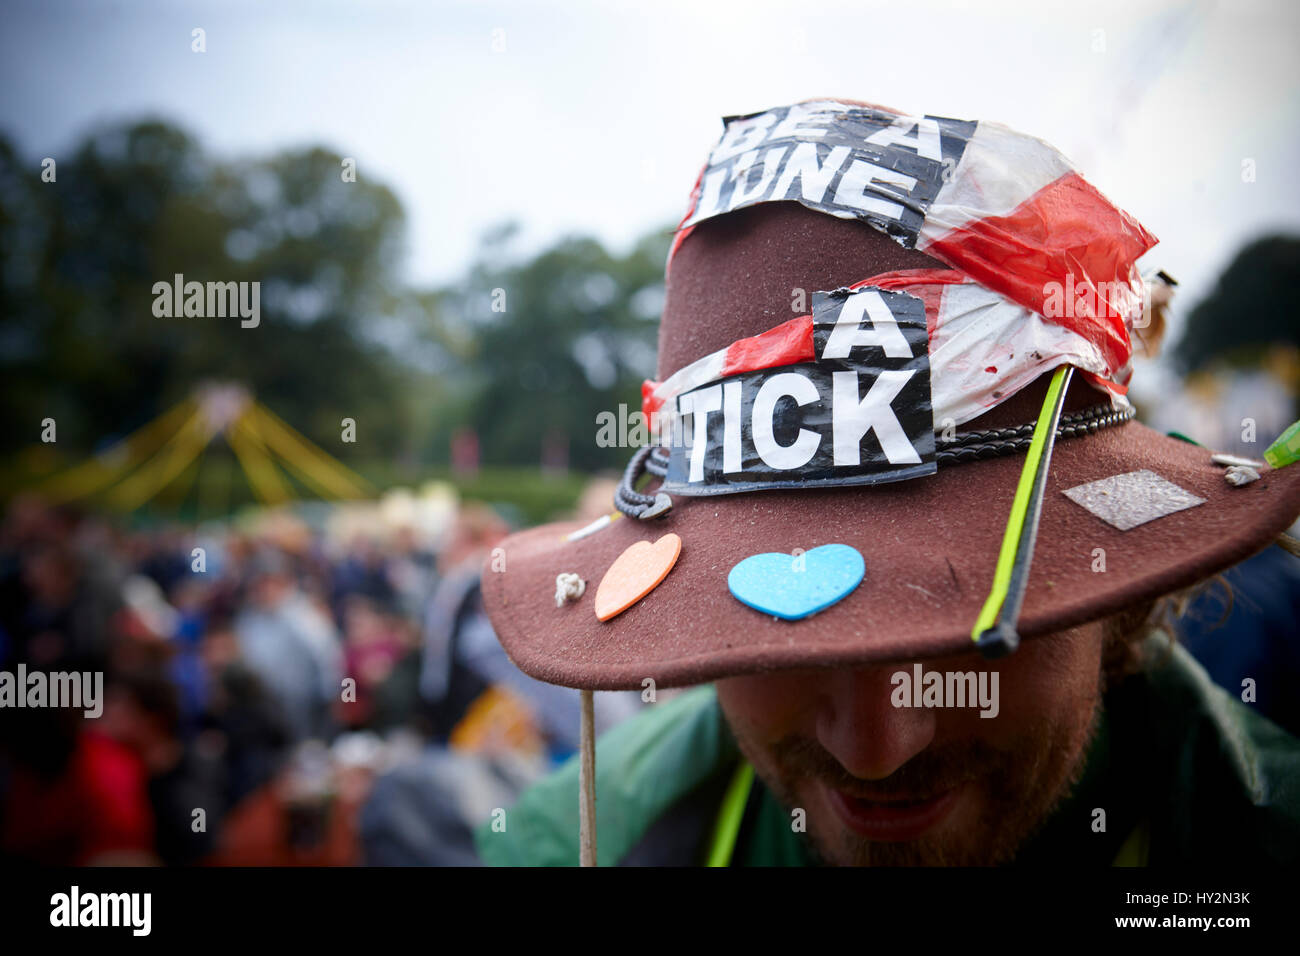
595	117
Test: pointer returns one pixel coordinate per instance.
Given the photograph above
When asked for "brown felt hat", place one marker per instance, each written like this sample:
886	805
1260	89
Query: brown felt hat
930	544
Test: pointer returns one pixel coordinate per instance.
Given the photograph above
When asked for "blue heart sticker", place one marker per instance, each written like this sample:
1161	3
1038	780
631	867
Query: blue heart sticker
797	586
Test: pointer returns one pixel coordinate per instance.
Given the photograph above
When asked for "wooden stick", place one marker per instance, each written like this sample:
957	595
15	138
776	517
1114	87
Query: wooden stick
1288	543
587	785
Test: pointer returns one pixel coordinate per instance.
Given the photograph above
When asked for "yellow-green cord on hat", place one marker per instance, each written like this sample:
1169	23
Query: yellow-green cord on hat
1022	528
727	828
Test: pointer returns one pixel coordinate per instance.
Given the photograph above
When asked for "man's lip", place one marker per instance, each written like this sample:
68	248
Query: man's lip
892	820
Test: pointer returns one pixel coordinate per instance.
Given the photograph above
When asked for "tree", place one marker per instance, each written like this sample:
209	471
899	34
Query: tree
135	205
1253	307
558	339
524	350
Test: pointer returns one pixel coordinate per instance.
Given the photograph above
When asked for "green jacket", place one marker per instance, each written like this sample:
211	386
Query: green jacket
1185	772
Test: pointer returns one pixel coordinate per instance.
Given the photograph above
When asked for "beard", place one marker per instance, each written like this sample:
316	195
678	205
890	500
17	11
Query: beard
1010	790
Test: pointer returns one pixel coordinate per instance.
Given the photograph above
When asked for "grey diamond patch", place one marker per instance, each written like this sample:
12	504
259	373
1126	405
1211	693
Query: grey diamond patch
1133	498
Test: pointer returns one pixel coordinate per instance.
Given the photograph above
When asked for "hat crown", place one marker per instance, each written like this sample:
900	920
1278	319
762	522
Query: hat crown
742	273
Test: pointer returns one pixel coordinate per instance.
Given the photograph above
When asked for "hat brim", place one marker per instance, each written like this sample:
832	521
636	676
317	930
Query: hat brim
930	546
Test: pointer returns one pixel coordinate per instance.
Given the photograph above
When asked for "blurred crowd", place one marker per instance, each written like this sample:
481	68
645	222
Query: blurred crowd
303	686
319	685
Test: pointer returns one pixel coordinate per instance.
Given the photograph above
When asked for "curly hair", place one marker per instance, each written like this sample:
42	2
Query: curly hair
1125	649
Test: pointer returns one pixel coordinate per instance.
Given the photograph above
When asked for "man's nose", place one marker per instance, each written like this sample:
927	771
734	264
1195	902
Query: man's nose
864	731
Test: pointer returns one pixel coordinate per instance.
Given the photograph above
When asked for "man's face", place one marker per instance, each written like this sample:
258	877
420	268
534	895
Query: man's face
886	785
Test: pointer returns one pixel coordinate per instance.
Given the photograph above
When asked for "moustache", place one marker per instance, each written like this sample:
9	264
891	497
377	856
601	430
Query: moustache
926	775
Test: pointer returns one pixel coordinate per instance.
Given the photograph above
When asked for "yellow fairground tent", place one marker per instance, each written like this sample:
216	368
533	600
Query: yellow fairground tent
135	469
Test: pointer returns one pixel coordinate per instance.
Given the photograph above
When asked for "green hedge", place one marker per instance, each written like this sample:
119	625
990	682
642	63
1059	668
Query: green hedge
218	488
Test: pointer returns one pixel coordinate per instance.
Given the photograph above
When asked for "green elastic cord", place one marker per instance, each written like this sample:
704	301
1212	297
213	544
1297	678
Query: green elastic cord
727	827
994	630
1136	850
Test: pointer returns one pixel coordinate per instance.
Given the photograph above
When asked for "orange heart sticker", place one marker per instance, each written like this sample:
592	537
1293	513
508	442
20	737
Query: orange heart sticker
634	574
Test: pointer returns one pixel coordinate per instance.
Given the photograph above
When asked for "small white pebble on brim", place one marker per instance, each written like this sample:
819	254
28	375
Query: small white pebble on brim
1238	475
